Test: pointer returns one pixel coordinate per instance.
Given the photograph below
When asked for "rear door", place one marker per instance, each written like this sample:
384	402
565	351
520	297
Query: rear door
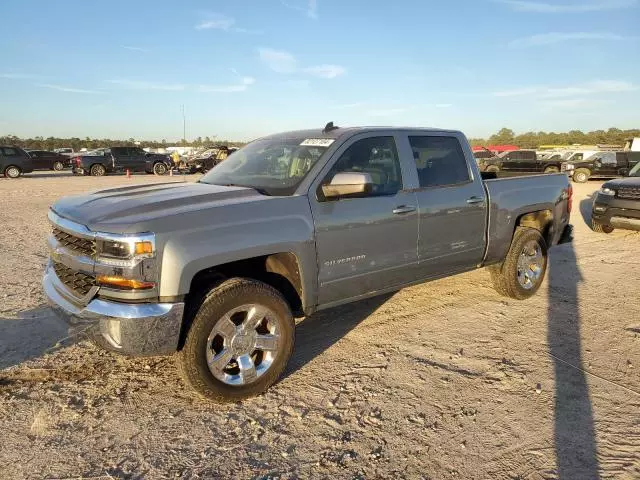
121	158
138	158
511	163
369	243
37	159
452	205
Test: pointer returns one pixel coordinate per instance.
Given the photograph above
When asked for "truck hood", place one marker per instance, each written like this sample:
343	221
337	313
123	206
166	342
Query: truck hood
623	182
133	209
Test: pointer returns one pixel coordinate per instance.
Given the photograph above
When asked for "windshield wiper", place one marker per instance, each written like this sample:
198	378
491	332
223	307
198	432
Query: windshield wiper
261	191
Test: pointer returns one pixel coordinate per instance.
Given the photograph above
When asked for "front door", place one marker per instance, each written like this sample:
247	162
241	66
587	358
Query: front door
452	205
369	243
138	158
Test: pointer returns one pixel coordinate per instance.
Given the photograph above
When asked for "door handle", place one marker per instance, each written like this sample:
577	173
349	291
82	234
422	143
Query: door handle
404	209
474	200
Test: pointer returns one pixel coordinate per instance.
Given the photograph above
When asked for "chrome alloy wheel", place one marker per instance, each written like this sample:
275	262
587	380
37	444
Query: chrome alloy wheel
530	265
243	344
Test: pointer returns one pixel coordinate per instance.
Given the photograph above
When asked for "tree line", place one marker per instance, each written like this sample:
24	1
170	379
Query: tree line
612	136
506	136
50	143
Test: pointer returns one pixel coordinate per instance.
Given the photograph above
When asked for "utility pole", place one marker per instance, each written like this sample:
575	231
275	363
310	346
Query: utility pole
184	124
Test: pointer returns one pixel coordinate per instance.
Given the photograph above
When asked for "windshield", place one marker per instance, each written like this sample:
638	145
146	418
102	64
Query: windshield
566	155
271	166
635	171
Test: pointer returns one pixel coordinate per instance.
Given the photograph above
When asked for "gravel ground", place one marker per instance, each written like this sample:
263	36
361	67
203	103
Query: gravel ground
443	380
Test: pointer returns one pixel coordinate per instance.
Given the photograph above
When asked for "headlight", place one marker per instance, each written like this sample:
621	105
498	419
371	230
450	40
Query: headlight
607	191
112	248
569	166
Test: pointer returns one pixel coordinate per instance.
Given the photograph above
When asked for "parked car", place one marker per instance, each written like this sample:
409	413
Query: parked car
120	159
617	204
520	162
45	160
288	225
14	161
602	165
206	160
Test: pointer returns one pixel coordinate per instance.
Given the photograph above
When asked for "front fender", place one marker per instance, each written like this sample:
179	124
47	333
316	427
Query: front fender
281	225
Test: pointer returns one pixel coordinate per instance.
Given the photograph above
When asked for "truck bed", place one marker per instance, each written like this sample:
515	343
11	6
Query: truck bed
510	198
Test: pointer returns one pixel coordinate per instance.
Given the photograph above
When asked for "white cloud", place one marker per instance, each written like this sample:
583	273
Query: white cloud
144	85
17	76
557	37
577	7
63	88
134	49
326	71
243	84
217	21
594	87
278	60
308	7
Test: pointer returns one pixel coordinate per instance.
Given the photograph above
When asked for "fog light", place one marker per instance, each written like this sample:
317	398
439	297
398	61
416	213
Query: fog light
112	333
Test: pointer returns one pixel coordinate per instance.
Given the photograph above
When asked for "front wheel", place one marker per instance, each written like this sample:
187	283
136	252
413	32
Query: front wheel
524	268
58	166
98	170
552	169
160	169
12	171
600	228
239	342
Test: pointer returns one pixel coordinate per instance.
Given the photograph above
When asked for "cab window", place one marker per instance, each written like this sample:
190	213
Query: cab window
440	161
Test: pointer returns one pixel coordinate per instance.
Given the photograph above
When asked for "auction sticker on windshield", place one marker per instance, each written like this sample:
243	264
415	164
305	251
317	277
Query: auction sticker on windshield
317	142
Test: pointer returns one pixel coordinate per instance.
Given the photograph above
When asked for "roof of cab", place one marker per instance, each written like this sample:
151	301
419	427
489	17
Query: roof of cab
339	132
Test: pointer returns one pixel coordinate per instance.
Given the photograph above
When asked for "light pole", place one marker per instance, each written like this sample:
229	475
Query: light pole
184	124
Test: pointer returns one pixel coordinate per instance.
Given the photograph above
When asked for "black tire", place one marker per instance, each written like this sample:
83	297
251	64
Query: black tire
581	175
58	166
97	170
599	228
229	295
160	169
552	169
505	275
12	171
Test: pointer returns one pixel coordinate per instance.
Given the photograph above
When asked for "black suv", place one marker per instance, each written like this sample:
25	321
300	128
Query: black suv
520	162
14	162
602	165
617	204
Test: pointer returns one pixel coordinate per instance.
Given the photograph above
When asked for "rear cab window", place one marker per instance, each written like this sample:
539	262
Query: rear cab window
440	161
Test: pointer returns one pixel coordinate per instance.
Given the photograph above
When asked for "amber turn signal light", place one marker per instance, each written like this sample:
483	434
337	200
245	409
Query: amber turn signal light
124	283
142	248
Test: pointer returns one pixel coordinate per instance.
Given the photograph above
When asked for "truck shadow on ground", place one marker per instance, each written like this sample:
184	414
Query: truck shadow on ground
320	331
30	335
574	430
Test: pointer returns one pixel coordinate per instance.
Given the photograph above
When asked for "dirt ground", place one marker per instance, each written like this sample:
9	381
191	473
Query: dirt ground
440	381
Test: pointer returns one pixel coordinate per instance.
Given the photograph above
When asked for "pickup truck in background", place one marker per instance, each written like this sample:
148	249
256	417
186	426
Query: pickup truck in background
601	165
288	225
520	162
119	159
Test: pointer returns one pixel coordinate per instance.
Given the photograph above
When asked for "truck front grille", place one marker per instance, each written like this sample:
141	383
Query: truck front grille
629	193
80	245
79	282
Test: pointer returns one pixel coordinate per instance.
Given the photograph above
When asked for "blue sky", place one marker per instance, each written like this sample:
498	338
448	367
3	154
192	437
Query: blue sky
245	68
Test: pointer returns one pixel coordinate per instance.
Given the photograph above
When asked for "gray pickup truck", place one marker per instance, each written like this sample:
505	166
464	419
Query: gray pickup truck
290	224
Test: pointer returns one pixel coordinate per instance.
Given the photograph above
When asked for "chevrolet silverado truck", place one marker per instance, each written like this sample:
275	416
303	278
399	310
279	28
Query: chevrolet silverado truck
520	162
120	159
290	224
617	204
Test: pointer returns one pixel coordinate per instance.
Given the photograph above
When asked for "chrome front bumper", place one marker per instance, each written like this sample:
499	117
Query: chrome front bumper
128	328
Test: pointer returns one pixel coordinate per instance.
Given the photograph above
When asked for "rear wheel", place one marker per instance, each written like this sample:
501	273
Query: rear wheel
160	169
12	171
524	268
98	170
581	175
599	228
239	342
58	166
552	169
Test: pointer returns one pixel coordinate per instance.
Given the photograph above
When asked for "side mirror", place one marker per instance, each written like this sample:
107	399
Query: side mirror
348	184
